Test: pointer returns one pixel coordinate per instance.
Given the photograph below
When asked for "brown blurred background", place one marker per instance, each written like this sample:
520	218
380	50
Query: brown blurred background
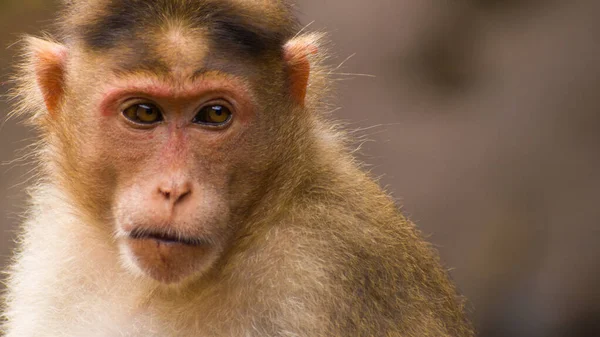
483	120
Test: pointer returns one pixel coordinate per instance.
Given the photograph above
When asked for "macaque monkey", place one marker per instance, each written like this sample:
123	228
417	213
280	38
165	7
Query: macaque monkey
191	185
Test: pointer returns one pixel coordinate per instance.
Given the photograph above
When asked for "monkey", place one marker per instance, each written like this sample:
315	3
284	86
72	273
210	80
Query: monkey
191	183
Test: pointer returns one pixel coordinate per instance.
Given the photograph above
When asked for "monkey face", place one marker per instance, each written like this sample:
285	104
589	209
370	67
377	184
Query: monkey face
172	204
169	139
175	164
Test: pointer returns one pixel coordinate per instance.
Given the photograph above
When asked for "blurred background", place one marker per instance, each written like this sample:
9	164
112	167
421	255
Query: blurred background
483	121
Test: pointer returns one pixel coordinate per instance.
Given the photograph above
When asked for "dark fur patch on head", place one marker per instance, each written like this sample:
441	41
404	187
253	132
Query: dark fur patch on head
229	27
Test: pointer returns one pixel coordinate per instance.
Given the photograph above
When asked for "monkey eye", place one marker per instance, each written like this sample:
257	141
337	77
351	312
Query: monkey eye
213	115
143	113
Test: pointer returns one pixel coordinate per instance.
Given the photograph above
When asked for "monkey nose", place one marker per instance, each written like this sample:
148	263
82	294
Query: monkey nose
175	193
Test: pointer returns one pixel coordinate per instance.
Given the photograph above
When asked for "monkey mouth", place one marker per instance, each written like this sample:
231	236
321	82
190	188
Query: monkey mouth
166	237
166	254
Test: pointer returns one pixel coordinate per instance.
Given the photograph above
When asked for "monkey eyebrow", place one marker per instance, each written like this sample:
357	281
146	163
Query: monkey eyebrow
165	87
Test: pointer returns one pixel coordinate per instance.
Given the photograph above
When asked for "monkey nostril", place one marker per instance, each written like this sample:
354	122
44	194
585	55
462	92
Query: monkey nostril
164	192
175	195
183	196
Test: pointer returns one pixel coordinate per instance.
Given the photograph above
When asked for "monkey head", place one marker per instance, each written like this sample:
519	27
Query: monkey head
167	122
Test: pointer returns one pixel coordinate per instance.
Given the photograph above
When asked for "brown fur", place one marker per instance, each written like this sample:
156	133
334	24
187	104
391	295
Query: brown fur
294	238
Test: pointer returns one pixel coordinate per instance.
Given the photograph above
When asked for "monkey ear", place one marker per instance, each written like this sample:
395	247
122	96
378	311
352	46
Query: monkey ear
48	61
296	54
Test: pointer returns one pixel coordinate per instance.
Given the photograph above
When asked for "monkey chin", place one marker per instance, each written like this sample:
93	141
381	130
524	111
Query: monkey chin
169	261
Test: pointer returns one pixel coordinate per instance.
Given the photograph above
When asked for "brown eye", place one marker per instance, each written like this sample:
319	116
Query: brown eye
213	115
144	113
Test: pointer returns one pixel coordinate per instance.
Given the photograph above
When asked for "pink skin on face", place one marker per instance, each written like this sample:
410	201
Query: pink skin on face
179	100
173	154
209	83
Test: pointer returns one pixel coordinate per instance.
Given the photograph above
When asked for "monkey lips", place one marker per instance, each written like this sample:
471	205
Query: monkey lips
167	256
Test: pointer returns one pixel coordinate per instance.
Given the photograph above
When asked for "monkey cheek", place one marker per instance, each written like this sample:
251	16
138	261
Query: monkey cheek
169	263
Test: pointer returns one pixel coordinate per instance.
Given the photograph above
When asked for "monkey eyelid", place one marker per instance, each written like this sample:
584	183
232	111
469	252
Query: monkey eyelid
141	101
214	126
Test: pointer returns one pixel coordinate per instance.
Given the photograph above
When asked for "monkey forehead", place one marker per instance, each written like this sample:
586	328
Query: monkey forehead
248	27
173	63
179	49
